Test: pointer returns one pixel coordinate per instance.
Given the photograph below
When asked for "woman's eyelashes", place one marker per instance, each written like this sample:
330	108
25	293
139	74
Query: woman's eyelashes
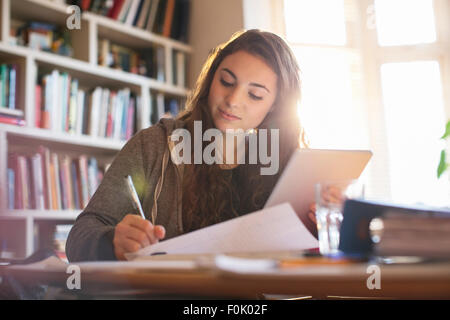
225	83
229	84
254	97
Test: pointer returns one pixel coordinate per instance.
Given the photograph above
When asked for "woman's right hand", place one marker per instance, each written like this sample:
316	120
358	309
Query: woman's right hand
134	233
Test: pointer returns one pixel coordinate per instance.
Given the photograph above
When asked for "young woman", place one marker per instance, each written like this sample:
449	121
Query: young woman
250	83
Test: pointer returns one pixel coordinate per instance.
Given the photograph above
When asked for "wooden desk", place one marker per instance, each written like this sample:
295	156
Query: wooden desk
414	281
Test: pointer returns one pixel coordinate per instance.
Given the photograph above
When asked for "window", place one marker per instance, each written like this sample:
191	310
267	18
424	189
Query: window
329	110
414	112
374	75
403	22
318	21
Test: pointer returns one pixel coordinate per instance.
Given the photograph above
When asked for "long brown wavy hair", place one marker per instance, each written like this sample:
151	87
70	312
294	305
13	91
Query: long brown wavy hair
209	196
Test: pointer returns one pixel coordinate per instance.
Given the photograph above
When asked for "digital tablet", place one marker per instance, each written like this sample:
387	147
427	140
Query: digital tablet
305	168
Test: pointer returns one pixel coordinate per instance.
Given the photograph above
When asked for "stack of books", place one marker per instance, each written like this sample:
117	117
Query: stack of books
62	106
169	18
46	180
384	228
414	233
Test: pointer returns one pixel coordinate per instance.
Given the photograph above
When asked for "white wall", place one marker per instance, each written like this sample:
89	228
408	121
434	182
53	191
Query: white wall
213	22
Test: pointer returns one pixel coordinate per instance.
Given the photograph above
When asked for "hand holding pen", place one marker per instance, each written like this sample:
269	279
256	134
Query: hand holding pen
135	232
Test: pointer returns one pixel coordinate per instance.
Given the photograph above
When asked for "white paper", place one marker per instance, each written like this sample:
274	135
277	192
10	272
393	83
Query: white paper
49	264
243	265
272	229
55	264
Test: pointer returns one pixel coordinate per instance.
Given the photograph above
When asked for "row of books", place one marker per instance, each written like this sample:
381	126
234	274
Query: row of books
62	106
47	180
169	18
149	62
42	36
8	85
163	106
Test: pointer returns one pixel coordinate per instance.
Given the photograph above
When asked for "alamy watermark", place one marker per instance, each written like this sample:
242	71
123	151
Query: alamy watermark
74	20
227	143
73	282
374	280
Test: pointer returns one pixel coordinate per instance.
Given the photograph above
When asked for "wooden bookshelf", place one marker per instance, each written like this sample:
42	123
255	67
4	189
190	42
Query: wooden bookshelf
18	226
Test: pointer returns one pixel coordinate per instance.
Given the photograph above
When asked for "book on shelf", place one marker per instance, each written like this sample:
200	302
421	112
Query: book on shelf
22	190
144	13
179	64
38	182
37	105
149	26
14	120
60	235
8	85
160	64
56	181
170	18
132	12
160	15
163	106
46	180
14	180
180	26
10	188
115	9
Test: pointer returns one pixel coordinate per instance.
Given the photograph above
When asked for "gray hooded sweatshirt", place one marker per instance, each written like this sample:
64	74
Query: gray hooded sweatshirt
146	157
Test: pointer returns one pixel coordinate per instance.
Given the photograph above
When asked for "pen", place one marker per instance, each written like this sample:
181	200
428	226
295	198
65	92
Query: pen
287	263
134	196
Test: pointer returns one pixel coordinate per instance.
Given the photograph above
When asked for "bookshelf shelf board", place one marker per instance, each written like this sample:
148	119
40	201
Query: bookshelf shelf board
36	9
157	85
15	51
80	67
88	73
11	112
42	214
63	137
133	36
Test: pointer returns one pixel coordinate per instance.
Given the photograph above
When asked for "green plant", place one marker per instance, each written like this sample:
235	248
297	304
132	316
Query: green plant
443	164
